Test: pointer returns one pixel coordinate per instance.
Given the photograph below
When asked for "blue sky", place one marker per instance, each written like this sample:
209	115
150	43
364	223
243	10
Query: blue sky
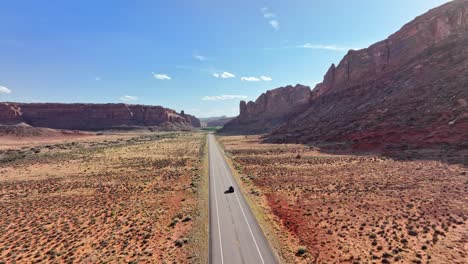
200	56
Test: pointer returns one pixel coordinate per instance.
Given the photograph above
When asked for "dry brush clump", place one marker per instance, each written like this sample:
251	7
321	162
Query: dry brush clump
357	208
103	201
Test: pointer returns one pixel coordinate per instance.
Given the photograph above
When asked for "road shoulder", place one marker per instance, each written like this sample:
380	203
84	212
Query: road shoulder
200	233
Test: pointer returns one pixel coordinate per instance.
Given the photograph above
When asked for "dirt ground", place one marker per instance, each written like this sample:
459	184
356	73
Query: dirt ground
13	142
124	199
328	208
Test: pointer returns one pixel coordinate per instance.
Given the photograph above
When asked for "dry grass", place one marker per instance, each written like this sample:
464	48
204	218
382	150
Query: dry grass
355	209
120	200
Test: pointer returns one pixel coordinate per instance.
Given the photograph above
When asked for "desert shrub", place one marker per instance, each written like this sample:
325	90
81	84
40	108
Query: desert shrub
301	251
187	218
36	150
174	222
179	242
386	255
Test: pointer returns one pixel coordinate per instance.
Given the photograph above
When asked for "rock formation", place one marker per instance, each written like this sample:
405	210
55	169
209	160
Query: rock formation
94	116
269	110
408	90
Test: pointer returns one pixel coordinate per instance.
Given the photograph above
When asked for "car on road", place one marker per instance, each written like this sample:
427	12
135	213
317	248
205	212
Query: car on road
230	190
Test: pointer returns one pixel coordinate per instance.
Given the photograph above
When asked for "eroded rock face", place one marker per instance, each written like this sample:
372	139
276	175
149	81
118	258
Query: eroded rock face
410	89
93	116
10	114
269	110
415	39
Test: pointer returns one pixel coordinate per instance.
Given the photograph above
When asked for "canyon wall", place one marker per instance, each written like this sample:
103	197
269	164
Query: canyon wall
269	110
408	90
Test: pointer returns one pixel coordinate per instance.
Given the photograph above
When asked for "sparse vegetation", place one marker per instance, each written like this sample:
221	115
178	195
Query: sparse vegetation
301	251
354	208
111	199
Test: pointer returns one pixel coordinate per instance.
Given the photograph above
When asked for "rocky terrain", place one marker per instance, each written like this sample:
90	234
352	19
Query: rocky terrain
269	110
108	199
329	208
410	90
94	116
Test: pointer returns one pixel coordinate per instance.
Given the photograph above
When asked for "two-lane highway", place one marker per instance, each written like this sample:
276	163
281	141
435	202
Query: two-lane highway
235	236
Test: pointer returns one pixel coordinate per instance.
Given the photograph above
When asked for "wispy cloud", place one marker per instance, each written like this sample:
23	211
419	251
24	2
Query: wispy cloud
161	76
98	78
315	47
223	97
274	23
322	47
128	98
267	14
200	57
265	78
256	79
250	79
5	90
271	17
224	75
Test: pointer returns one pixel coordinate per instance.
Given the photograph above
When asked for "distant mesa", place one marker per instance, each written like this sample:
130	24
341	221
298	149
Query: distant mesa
408	90
217	121
95	117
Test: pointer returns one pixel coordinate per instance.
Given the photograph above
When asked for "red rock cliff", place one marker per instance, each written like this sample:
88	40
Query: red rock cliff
92	116
269	110
410	89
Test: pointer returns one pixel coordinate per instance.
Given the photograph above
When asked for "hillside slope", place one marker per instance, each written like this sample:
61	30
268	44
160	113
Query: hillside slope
408	90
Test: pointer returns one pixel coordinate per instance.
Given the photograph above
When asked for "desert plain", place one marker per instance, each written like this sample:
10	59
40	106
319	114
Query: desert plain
112	198
327	207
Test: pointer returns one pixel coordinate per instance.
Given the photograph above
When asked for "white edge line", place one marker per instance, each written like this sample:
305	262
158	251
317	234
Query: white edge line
217	213
245	217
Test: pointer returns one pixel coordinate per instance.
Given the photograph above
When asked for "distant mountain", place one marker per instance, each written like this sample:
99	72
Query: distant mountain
269	110
94	116
408	90
218	121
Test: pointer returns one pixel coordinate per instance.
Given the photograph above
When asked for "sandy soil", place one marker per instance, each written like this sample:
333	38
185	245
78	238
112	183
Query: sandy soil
13	142
114	199
356	208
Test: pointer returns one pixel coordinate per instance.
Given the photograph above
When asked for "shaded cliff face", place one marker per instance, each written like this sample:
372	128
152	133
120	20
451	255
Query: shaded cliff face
411	89
269	110
93	116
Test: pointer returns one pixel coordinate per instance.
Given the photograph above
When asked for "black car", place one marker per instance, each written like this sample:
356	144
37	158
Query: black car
230	190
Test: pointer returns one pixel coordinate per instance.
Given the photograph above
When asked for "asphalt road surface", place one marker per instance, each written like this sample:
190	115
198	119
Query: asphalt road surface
235	236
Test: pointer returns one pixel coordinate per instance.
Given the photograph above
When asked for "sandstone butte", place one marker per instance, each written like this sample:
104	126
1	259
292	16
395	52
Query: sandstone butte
408	90
269	110
94	117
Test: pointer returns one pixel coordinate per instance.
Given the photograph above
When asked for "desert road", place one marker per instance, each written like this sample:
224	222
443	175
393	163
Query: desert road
235	236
